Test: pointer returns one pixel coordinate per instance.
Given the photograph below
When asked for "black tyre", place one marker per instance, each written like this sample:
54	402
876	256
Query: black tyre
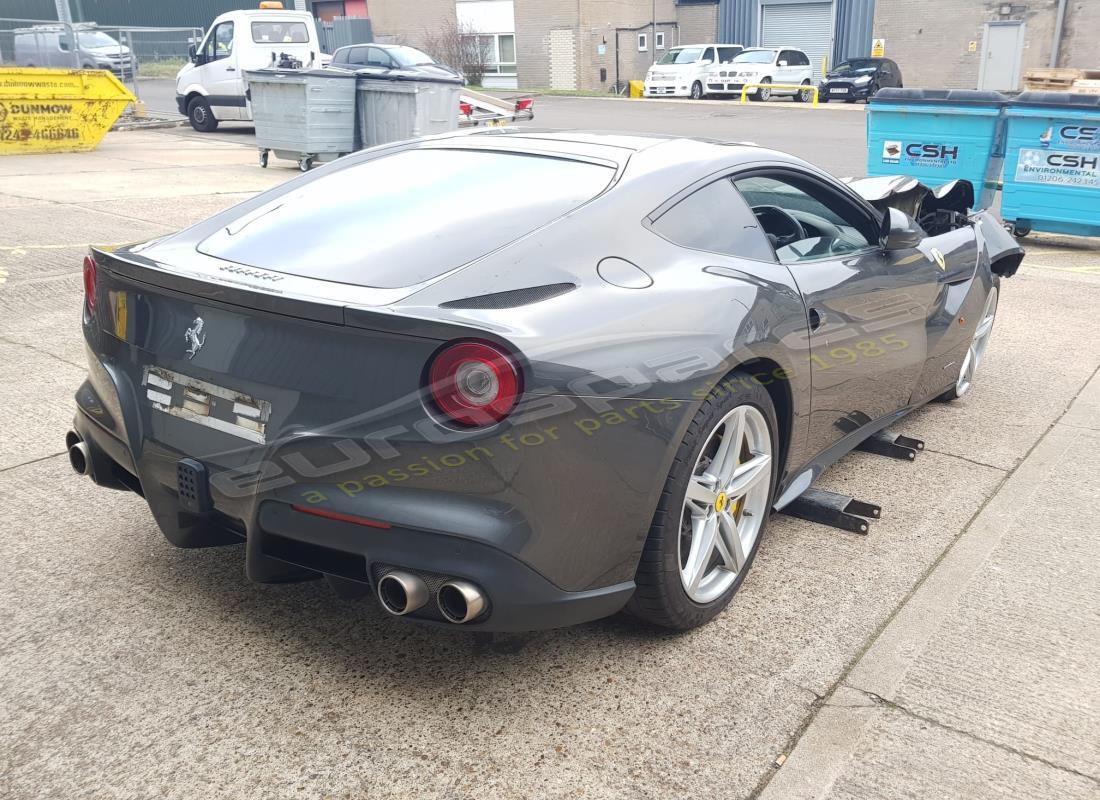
200	116
872	90
763	93
697	91
713	511
804	95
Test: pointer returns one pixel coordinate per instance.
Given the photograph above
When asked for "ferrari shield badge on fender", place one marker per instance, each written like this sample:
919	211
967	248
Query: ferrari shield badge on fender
936	254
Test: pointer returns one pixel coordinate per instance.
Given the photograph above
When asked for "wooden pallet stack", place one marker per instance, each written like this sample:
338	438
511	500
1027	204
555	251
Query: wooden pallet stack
1063	79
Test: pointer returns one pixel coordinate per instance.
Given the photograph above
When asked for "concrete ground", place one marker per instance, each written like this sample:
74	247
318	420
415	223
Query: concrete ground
950	653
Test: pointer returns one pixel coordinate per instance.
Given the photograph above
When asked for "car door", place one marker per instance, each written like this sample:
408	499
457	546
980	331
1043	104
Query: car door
792	72
219	73
720	248
867	309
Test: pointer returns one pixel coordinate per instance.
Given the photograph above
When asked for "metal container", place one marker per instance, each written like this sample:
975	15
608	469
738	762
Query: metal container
393	107
938	135
1052	164
57	110
305	115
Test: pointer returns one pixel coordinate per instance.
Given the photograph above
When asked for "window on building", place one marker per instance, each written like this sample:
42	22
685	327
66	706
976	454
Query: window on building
643	42
659	40
499	50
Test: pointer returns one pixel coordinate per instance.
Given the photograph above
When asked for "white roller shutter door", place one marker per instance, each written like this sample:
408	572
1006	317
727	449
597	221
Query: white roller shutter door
806	26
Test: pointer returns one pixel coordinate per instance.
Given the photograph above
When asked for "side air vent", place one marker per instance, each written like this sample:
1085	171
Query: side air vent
513	298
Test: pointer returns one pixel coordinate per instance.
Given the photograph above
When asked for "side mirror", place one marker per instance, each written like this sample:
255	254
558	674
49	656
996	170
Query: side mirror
899	231
782	63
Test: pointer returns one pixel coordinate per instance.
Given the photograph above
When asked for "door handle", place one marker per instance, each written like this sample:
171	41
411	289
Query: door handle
815	319
230	69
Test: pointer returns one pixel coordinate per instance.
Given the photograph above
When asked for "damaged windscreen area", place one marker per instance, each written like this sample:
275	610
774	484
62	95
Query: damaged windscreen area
401	219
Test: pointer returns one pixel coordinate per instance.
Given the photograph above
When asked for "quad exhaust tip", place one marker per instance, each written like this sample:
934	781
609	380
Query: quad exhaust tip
80	456
460	601
402	593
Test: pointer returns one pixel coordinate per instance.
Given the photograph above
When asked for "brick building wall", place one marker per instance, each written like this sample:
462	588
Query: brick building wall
1081	35
593	24
407	21
930	40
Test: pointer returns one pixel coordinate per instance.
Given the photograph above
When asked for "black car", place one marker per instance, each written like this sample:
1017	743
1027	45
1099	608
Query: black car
859	79
387	58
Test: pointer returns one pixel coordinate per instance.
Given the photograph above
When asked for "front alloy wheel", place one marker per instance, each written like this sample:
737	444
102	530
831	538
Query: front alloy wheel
697	91
975	354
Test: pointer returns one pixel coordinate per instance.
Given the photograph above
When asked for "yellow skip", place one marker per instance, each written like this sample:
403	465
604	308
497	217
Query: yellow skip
57	110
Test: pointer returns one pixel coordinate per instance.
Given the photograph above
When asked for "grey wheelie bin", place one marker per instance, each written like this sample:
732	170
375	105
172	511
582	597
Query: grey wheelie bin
392	106
305	115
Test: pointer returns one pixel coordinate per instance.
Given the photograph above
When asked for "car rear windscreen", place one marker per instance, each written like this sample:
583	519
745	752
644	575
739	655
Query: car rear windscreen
401	219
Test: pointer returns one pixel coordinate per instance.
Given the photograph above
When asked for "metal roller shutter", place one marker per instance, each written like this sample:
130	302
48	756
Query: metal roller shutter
807	26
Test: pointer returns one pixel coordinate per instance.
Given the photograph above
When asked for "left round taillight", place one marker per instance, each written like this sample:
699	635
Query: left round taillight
89	284
474	383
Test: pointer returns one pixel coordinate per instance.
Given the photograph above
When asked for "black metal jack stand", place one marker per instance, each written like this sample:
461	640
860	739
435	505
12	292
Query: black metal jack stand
892	445
834	510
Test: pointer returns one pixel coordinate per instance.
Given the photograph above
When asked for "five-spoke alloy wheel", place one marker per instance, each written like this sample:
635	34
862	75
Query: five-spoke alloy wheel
713	510
975	354
725	504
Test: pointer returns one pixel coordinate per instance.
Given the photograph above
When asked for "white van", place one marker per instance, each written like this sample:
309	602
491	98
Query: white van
764	66
682	71
212	88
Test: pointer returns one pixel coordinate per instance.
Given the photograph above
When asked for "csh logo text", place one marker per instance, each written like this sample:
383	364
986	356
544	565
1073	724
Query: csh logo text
1074	160
919	153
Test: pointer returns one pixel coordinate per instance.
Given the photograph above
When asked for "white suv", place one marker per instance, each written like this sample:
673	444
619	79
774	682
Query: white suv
763	65
683	70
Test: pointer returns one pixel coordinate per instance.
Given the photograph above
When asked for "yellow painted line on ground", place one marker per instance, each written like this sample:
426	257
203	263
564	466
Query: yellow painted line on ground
21	250
1093	269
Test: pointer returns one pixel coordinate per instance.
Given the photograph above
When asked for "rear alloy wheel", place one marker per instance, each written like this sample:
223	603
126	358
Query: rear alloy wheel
697	91
976	352
200	116
764	92
804	95
713	510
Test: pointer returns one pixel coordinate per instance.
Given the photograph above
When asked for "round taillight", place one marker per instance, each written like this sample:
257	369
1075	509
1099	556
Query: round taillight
474	383
89	283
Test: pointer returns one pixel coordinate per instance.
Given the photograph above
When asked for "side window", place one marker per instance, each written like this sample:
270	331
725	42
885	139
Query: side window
804	220
62	42
357	56
220	42
709	55
716	219
377	57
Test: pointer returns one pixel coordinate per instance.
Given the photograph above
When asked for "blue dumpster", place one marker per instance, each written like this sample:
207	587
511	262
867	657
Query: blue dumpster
938	135
1052	164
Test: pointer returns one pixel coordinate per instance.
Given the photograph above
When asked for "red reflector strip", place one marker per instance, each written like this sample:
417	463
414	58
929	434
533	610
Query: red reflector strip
336	515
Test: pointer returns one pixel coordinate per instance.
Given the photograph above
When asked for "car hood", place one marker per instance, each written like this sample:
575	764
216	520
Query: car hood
108	50
849	74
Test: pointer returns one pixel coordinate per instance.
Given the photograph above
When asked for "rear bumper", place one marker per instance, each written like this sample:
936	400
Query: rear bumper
284	544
